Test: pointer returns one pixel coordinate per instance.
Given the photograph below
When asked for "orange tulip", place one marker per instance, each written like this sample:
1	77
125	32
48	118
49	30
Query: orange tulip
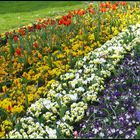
114	7
102	4
103	10
123	3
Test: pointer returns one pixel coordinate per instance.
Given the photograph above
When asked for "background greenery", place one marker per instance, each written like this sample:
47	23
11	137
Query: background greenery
14	14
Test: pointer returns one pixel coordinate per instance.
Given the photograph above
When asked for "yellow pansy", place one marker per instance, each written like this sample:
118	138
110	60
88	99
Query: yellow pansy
4	89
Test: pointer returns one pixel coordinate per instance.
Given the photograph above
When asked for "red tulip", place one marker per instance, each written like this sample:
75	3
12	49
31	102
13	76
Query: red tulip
18	51
69	15
15	38
35	44
68	22
64	17
60	21
38	27
65	23
46	22
108	5
44	26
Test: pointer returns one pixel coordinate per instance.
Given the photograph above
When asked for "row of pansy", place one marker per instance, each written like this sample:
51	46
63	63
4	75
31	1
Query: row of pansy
67	100
117	114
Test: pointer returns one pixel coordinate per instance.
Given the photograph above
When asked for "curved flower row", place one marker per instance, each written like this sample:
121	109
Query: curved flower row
117	114
67	100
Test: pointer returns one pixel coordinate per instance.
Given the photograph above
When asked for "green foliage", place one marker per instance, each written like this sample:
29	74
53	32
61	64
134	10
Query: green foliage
3	114
138	132
15	14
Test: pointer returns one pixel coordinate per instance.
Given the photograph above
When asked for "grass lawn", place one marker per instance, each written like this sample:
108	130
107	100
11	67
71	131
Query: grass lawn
14	14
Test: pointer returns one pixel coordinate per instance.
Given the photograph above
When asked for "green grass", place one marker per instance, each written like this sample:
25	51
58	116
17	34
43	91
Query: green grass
138	131
14	14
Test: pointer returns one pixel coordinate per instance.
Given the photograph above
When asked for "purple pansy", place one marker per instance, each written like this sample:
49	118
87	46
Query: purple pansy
138	115
116	115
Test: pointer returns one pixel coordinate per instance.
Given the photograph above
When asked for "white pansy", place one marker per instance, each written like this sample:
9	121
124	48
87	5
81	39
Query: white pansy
73	97
77	76
101	134
80	89
58	95
127	137
95	130
84	59
80	71
59	88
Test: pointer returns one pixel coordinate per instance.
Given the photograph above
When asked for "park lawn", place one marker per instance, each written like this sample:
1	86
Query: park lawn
14	14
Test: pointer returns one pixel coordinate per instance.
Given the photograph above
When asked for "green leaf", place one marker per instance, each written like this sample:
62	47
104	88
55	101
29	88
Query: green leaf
138	132
59	133
3	114
26	101
62	108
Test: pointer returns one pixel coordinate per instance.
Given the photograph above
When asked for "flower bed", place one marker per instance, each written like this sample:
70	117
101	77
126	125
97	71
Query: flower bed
68	99
34	58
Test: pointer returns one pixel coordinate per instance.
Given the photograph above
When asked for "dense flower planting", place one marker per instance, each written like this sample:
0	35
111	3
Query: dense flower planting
117	112
62	64
68	98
